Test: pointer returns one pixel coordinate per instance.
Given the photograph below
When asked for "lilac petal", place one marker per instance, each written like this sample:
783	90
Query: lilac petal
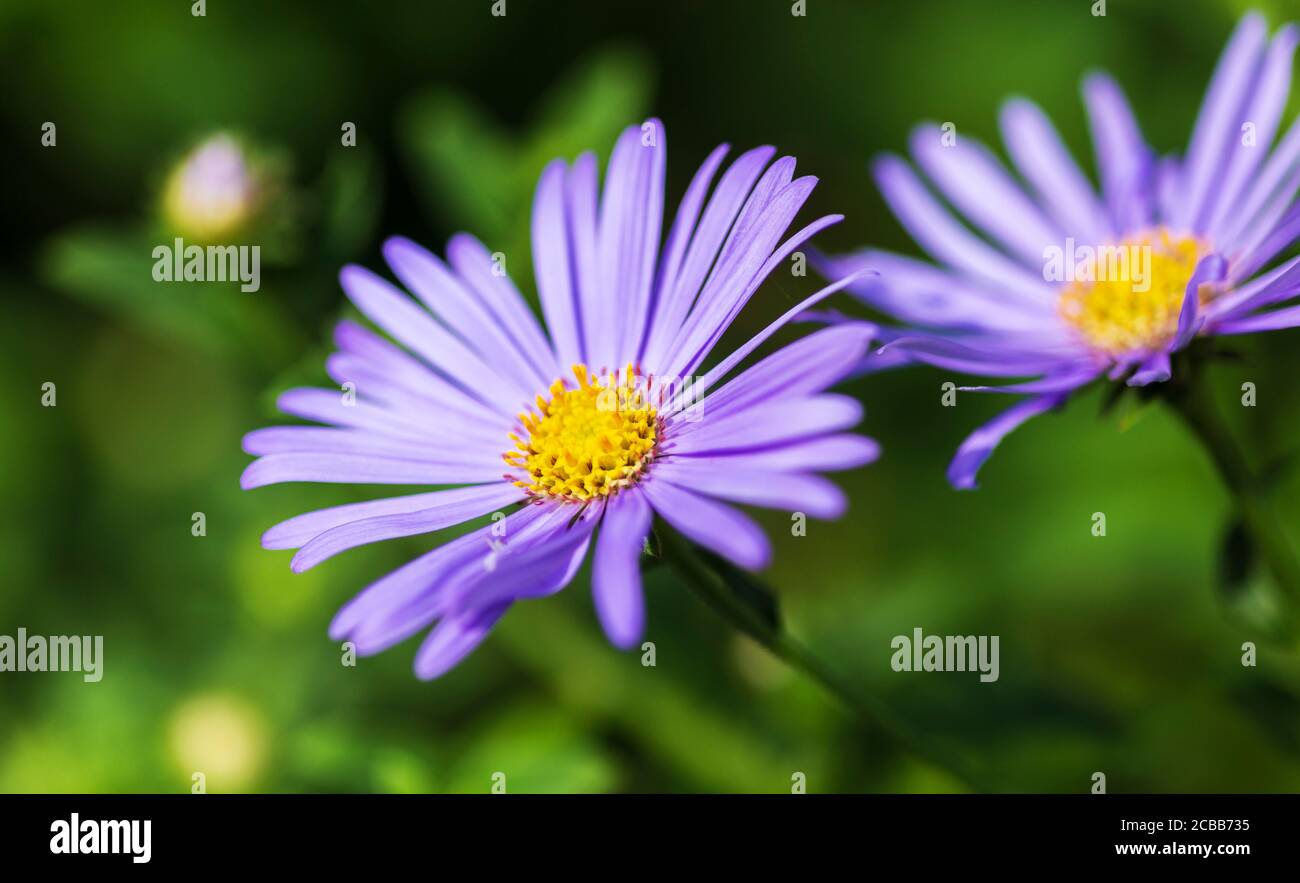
719	215
1154	369
976	183
1216	124
616	568
1281	236
715	526
792	492
415	329
1278	284
1263	111
433	419
454	638
462	311
980	444
752	259
770	423
824	454
1278	319
807	366
920	293
1210	269
956	356
723	368
361	346
443	509
507	306
1063	380
935	230
532	565
407	600
322	439
354	469
1265	226
670	302
296	531
1123	157
628	237
553	260
1042	158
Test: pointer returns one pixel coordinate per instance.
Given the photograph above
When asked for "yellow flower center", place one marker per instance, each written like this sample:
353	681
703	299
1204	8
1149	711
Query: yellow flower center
588	441
1127	298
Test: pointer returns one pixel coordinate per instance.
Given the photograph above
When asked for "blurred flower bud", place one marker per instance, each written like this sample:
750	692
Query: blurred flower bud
214	192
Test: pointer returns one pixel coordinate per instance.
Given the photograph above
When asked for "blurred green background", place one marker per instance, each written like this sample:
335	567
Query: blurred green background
1119	654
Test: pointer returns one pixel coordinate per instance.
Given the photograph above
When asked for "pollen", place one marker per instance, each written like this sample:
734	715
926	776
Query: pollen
1126	298
588	440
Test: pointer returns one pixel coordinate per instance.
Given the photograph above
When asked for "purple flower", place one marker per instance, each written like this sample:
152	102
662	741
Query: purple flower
583	435
1052	280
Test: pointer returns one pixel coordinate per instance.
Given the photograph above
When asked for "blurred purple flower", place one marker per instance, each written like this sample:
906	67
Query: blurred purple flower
475	396
1065	284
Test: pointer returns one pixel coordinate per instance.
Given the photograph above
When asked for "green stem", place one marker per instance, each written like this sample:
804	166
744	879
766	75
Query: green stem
1191	398
871	714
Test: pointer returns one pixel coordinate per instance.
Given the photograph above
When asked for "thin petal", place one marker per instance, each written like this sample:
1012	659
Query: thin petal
979	446
616	568
715	526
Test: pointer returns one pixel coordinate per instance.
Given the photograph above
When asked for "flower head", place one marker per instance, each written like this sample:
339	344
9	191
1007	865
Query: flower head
1050	279
582	435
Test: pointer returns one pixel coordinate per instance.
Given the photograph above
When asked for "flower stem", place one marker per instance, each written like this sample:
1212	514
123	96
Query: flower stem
1190	396
714	589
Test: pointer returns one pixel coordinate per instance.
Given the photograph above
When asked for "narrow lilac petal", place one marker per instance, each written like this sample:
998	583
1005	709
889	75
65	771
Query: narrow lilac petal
1042	158
935	230
444	509
435	418
415	329
628	236
751	260
1278	319
976	183
715	526
528	567
1123	157
719	215
354	469
402	369
1210	269
1263	111
921	293
769	423
823	454
1154	369
323	439
405	601
671	301
1216	124
1062	380
508	307
792	492
553	263
1278	284
581	194
1264	226
968	359
461	310
616	568
807	366
980	444
723	368
454	638
1282	235
296	531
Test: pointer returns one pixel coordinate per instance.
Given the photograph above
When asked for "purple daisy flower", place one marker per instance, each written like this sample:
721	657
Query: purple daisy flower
584	435
1052	280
